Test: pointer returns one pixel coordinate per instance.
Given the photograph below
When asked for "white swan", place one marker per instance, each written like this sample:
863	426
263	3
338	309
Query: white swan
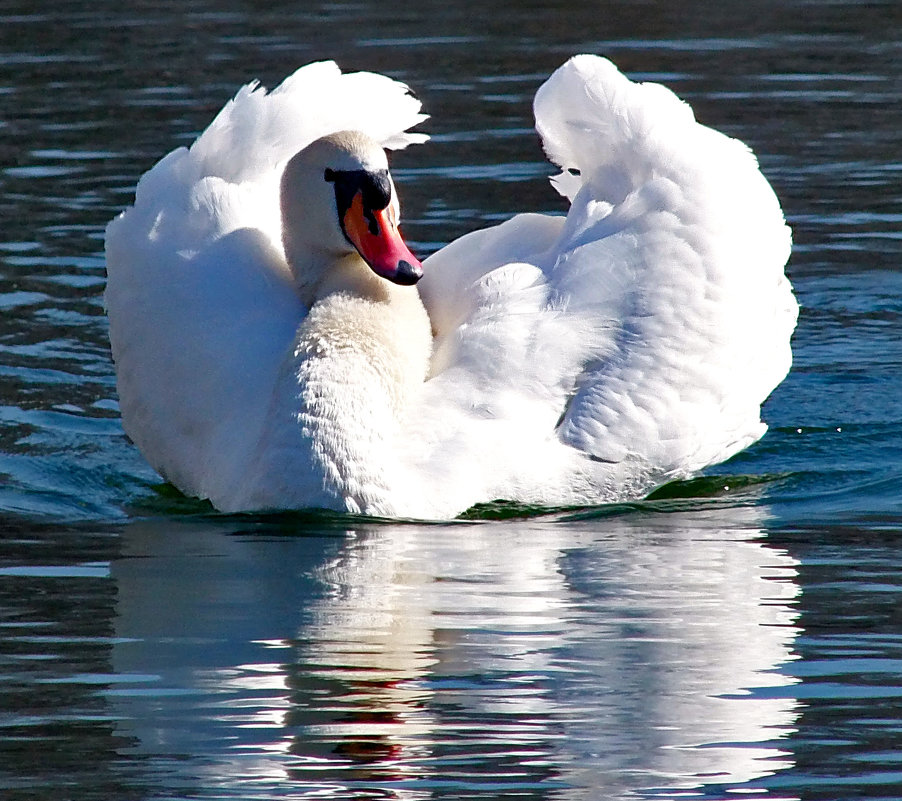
273	358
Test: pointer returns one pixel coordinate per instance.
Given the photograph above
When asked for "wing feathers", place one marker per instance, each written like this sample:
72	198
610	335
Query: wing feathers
662	318
674	233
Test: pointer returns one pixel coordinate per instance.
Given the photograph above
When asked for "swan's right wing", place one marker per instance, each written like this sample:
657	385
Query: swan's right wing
676	238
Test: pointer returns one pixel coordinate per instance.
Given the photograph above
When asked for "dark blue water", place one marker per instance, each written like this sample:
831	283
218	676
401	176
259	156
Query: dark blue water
736	636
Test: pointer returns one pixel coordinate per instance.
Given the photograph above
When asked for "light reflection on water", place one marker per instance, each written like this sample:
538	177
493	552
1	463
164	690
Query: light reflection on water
571	658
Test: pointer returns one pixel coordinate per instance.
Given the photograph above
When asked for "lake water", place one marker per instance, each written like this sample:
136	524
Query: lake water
739	636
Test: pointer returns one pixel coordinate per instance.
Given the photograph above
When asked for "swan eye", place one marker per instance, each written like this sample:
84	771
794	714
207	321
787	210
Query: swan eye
329	175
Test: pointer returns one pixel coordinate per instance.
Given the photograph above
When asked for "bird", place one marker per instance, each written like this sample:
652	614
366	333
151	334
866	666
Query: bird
278	346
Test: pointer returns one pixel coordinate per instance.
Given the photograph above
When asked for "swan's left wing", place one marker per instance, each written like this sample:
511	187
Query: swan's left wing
675	235
642	333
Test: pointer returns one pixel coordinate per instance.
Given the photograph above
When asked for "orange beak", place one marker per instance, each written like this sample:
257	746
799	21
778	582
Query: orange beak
375	235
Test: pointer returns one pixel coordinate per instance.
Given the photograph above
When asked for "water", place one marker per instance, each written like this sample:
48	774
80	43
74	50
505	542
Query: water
735	636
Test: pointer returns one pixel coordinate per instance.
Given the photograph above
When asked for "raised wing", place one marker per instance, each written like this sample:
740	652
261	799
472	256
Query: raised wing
646	329
675	235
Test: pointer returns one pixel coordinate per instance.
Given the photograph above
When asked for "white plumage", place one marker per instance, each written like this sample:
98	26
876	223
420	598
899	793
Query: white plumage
573	361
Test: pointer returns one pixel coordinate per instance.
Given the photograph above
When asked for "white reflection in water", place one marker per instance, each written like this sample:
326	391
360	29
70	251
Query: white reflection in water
607	655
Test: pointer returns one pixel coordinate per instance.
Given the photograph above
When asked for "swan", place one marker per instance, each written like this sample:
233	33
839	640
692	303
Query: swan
278	346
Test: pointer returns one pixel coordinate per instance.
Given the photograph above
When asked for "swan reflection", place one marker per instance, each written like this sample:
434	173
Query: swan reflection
609	655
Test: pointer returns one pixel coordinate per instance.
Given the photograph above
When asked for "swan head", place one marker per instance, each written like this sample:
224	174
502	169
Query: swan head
339	206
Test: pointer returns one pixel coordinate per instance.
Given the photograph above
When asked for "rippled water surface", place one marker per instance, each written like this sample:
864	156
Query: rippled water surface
736	636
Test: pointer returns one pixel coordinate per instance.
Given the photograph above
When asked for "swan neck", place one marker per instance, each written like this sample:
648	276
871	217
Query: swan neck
363	355
317	276
350	275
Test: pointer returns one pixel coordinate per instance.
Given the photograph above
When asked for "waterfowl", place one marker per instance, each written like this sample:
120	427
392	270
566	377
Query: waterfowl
278	346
